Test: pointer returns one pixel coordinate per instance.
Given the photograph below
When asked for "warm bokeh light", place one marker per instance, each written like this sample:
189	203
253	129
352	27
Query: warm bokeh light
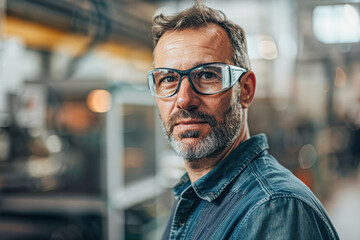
43	167
99	100
340	78
75	117
267	49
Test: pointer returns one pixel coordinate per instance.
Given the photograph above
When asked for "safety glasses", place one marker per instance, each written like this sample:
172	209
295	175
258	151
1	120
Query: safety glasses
207	79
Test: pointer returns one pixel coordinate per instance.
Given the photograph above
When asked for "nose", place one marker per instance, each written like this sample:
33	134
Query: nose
187	98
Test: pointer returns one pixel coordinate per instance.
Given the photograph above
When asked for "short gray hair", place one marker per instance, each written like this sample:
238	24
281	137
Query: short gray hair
199	15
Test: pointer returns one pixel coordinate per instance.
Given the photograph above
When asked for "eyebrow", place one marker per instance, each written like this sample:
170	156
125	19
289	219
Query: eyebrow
195	64
198	63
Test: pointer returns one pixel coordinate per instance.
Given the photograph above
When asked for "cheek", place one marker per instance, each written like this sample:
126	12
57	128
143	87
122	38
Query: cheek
219	106
164	109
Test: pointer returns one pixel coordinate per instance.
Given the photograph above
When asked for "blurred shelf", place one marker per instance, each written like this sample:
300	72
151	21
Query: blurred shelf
52	204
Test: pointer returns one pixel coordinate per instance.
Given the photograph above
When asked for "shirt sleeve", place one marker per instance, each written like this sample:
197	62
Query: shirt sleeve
285	218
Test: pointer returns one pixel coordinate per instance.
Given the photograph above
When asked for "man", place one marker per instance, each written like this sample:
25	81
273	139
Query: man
233	188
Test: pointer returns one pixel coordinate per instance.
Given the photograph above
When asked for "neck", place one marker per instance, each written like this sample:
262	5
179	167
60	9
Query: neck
200	167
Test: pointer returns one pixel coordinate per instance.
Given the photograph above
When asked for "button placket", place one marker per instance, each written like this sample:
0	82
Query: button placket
183	214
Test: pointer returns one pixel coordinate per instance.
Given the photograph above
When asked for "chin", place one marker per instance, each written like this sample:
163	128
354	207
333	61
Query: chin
193	148
188	143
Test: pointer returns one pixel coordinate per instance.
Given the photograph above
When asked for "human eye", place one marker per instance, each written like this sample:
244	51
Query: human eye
208	75
165	78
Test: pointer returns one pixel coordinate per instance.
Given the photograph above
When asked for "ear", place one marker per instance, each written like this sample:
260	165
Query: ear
247	85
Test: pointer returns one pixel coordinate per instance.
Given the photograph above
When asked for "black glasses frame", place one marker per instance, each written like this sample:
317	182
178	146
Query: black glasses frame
235	74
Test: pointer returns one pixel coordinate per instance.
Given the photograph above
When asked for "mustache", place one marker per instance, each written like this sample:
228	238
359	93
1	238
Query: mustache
181	114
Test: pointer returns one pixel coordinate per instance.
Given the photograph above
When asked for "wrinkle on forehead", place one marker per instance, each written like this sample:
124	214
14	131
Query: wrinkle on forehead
186	40
217	37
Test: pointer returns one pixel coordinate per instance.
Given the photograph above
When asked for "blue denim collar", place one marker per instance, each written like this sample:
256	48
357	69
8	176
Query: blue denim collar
210	186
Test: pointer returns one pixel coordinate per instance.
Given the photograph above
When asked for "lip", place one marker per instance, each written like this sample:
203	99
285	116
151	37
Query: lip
190	125
190	122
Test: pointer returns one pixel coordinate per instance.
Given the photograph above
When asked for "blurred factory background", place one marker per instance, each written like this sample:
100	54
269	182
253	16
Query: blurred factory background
82	153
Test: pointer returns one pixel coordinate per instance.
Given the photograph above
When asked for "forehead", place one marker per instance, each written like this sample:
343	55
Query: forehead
183	49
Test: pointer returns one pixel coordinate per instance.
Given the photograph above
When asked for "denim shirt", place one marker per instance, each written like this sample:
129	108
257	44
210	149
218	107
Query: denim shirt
248	195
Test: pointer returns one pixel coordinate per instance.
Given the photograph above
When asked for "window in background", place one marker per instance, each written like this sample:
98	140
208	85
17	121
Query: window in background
336	24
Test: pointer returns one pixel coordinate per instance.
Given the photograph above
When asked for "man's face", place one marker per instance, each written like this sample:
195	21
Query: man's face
198	125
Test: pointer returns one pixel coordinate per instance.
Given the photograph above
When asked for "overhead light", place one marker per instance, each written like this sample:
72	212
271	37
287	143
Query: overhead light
336	24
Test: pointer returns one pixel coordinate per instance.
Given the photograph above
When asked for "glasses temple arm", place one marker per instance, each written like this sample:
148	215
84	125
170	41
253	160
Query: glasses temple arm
236	74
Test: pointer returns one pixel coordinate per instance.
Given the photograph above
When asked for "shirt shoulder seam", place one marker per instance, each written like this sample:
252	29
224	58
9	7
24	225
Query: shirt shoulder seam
290	196
262	181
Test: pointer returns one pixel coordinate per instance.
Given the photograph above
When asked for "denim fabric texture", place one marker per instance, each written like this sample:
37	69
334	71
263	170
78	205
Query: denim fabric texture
249	195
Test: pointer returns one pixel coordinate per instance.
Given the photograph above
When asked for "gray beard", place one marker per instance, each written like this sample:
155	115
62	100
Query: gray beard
221	136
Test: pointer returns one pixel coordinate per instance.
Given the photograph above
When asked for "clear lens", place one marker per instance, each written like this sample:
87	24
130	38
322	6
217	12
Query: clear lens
207	79
166	82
